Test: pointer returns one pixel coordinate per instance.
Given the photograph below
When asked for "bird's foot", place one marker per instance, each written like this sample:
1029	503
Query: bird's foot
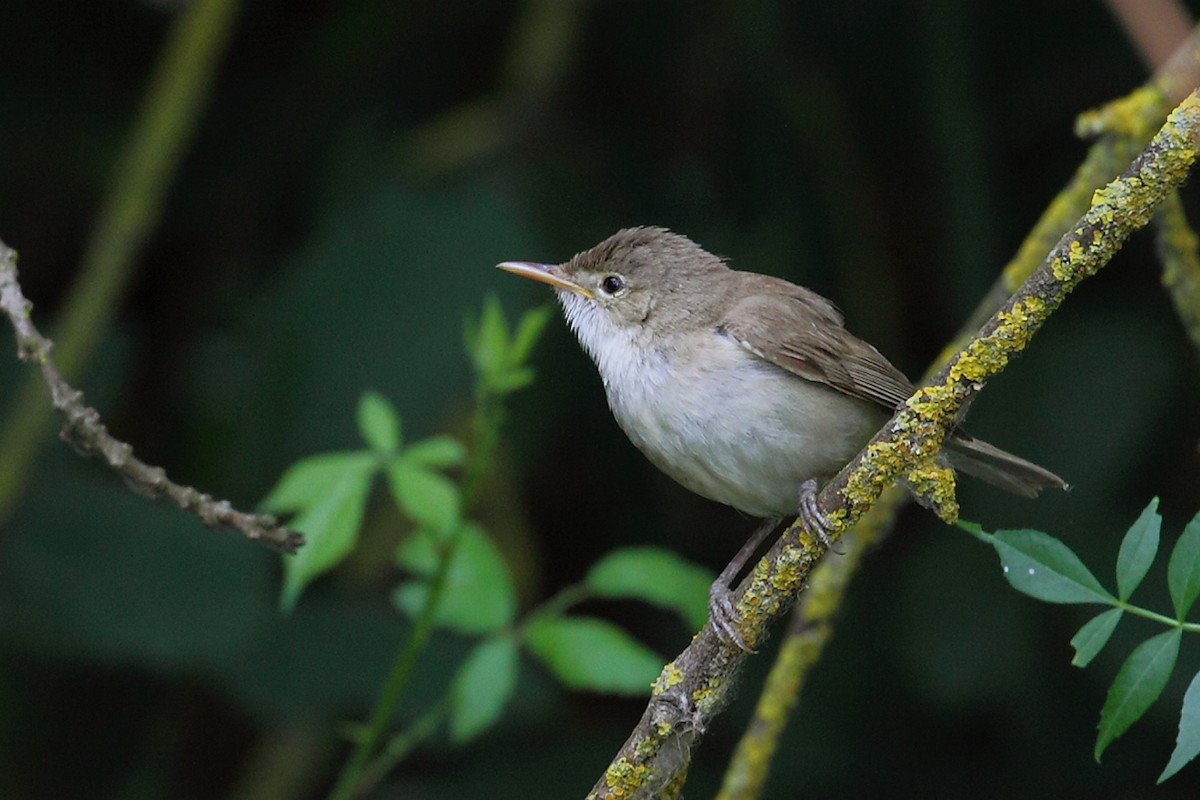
724	616
815	522
721	612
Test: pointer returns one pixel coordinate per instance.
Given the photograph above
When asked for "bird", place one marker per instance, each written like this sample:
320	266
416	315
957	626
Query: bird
744	388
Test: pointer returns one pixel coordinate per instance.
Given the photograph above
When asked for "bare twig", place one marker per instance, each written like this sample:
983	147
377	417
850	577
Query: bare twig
127	216
691	690
82	429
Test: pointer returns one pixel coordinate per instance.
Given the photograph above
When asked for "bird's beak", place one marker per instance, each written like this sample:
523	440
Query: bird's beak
544	273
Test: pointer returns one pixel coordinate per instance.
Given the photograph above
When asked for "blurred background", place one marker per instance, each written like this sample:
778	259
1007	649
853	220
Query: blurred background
357	171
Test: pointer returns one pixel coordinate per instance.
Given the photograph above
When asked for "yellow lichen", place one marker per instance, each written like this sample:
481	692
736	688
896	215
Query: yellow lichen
646	747
1180	252
670	676
707	696
786	578
1135	115
935	482
623	778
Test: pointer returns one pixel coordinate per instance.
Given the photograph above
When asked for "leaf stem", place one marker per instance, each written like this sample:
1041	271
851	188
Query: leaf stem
1171	622
403	743
352	775
360	771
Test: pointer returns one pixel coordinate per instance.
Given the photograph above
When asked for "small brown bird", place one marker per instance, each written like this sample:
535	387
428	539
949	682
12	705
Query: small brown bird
744	388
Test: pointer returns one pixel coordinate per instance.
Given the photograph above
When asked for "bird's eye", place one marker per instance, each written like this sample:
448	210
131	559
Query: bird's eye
612	284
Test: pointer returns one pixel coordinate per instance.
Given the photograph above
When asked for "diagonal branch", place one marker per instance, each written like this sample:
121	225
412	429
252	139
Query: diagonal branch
84	430
1179	251
692	689
812	619
131	207
809	629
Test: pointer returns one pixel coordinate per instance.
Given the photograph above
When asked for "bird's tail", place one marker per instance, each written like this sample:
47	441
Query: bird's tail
999	468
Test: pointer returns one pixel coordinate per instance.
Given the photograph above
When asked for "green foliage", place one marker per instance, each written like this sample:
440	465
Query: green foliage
1138	549
439	452
456	578
1187	743
1138	684
378	424
587	653
327	494
426	496
656	576
482	687
1043	567
499	358
479	595
1094	635
1183	569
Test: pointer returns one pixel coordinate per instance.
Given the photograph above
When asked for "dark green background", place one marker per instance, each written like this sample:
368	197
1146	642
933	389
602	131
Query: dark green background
322	237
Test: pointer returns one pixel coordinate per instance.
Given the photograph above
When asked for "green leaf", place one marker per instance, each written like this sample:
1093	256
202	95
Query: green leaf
378	423
529	330
330	526
510	380
1041	566
1138	549
975	529
482	687
478	596
586	653
1139	682
1094	635
1187	742
436	451
489	340
429	498
419	552
313	477
1183	570
656	576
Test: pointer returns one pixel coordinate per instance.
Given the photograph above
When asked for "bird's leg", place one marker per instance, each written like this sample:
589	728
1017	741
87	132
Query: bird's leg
720	603
812	518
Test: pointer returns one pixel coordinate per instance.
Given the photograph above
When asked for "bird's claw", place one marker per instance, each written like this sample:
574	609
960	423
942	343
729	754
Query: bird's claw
811	517
724	616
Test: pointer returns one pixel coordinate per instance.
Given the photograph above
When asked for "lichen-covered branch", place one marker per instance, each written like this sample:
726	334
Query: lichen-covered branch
691	690
1179	251
1121	129
83	429
809	630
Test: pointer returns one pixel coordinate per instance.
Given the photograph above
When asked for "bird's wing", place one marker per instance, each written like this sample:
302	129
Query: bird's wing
801	332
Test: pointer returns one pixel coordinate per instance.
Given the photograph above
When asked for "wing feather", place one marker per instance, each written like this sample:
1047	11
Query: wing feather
799	331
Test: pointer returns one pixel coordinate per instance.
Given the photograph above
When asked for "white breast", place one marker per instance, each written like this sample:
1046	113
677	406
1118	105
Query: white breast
727	425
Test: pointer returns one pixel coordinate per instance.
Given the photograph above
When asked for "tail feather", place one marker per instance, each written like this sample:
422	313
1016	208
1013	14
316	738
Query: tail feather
999	468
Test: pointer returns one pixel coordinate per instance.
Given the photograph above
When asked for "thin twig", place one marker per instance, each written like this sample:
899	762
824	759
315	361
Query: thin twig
692	689
127	216
82	429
